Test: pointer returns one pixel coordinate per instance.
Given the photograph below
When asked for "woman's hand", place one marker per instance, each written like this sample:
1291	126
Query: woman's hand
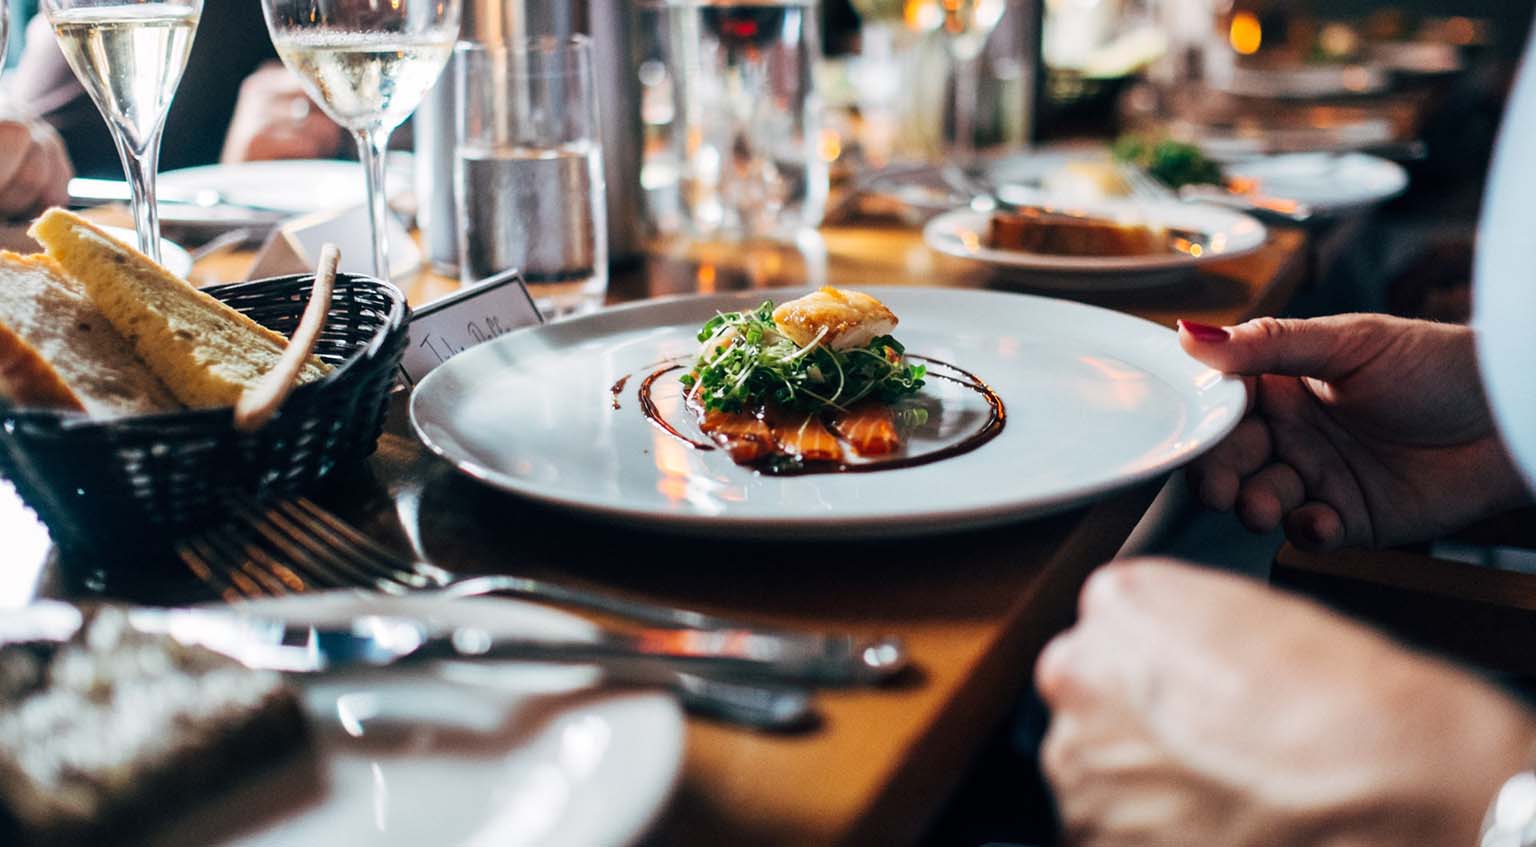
1362	430
1190	707
34	168
274	119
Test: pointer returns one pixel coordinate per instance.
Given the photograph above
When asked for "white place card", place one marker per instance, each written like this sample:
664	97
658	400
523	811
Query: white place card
445	328
294	247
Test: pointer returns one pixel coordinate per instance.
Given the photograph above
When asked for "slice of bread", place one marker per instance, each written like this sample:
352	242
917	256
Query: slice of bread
204	351
57	350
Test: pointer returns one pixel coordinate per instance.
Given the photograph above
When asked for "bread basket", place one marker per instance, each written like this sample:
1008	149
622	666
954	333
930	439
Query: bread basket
131	486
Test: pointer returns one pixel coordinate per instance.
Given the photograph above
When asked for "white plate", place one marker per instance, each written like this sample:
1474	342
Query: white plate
296	186
172	257
1095	400
963	233
1328	182
460	753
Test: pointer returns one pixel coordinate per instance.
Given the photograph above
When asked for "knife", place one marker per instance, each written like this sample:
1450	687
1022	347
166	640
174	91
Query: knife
382	641
374	642
88	191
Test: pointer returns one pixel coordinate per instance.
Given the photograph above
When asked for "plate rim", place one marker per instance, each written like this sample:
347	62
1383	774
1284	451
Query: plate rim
925	522
1400	178
937	231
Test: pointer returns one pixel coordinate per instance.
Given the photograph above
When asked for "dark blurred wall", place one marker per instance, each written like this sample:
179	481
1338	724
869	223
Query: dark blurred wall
1511	19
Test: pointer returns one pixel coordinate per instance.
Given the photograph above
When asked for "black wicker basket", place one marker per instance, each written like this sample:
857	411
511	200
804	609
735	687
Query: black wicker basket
132	485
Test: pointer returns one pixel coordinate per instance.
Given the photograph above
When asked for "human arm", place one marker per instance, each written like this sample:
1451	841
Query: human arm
1190	707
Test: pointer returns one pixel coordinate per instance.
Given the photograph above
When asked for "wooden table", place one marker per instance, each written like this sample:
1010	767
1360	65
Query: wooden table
974	608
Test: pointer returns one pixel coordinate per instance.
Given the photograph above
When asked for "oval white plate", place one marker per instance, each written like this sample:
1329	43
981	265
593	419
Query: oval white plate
460	753
1328	182
172	256
1095	400
963	234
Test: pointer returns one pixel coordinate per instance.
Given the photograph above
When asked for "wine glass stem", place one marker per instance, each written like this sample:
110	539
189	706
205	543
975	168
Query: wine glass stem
371	146
967	83
140	167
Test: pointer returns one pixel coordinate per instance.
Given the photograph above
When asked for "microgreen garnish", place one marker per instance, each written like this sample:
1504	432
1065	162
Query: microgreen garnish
747	362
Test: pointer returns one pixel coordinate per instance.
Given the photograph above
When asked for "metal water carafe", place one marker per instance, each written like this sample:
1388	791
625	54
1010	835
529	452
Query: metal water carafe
607	22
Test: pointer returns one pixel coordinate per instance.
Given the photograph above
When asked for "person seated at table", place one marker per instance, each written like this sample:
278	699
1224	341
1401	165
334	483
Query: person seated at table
34	167
1192	707
235	102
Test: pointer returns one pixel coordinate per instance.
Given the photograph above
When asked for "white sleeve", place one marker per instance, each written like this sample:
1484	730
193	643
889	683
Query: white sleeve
1504	299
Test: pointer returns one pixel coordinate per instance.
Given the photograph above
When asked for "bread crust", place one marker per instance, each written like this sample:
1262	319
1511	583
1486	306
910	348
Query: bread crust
204	351
26	378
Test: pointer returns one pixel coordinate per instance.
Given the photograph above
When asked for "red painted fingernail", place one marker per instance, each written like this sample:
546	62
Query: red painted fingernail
1204	332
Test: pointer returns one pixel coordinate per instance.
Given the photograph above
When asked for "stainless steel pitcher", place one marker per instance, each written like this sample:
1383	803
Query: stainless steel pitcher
607	22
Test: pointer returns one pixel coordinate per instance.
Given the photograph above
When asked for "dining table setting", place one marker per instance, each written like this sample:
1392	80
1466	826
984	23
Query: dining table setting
680	476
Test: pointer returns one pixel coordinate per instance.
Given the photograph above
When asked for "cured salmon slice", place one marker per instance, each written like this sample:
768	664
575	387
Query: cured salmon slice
741	434
804	435
869	428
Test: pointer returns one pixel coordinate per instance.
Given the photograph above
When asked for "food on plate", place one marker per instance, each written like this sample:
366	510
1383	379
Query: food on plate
205	352
1086	179
1173	163
57	350
103	728
1060	234
786	384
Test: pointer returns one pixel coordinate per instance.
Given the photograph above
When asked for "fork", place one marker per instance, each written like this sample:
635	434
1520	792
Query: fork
289	546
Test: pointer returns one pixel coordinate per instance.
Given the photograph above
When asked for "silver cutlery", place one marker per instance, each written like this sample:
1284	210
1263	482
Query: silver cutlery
384	641
1146	187
291	546
89	191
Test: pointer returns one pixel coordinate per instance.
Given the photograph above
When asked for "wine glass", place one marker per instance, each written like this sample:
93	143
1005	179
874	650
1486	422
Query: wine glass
966	25
367	63
129	56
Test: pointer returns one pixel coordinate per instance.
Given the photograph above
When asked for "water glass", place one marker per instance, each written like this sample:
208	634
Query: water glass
528	170
733	122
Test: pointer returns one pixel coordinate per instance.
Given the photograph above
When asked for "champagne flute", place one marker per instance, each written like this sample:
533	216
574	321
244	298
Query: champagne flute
966	25
129	56
367	64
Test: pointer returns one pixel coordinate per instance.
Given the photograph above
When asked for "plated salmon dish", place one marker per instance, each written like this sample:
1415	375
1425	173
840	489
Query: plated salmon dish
800	383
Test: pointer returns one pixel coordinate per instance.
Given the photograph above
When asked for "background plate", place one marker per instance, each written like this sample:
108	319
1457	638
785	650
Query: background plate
963	234
1095	400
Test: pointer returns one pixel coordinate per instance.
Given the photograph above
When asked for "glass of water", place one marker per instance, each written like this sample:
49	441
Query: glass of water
733	145
528	170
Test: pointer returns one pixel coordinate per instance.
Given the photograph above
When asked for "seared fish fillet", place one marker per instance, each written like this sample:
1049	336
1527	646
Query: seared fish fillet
842	319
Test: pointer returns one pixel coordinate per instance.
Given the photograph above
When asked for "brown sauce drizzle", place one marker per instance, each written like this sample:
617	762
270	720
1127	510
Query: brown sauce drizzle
997	417
618	388
648	408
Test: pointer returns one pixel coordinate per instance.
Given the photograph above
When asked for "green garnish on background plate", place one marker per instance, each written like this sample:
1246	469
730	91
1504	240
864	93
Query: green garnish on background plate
1173	163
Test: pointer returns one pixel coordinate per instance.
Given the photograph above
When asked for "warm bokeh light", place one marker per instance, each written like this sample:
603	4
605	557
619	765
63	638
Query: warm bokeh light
1246	34
922	16
1461	31
830	145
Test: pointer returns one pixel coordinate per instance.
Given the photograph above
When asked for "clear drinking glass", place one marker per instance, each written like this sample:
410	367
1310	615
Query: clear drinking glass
129	56
739	151
528	170
367	63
